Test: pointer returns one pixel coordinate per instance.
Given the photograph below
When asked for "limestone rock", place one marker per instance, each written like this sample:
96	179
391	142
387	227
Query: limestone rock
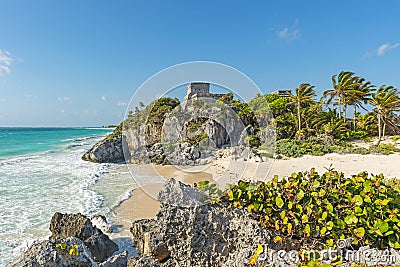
176	193
119	260
198	235
143	262
46	254
77	225
107	150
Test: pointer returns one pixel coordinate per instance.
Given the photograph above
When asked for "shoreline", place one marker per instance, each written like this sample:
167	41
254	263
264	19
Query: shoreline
142	204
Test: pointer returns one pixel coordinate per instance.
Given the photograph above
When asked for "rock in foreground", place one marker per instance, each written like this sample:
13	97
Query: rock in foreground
74	242
77	225
197	235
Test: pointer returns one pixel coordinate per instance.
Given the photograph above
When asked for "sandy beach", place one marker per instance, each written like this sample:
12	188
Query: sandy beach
142	203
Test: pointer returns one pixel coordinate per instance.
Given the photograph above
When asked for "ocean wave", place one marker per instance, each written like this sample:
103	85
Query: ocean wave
17	160
77	145
82	138
124	197
99	128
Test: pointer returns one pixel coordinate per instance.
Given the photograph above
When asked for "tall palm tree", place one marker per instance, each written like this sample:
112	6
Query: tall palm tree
342	86
359	96
305	93
385	100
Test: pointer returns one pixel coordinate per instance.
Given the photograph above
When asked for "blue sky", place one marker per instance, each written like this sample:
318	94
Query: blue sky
78	63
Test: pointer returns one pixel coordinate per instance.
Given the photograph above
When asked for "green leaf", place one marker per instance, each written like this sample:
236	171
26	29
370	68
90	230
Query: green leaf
394	244
289	228
330	242
384	202
250	207
359	232
329	225
351	219
307	230
279	202
230	194
358	210
324	215
282	214
329	207
382	226
300	195
299	207
388	233
358	200
304	218
323	230
340	224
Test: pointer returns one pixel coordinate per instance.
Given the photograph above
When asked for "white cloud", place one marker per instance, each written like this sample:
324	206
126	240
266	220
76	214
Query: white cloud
62	111
64	99
386	47
289	34
5	62
103	98
122	104
30	96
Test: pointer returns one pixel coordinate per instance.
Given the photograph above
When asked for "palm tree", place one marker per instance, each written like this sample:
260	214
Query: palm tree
341	91
304	94
359	96
385	101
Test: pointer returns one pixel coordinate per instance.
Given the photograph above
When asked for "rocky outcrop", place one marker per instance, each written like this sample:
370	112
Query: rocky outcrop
203	122
107	150
77	225
189	233
45	253
167	154
74	242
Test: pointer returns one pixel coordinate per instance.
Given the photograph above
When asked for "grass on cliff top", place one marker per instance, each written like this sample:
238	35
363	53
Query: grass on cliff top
312	211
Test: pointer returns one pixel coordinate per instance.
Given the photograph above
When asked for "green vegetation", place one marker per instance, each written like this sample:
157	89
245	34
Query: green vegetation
308	210
72	249
300	119
295	148
194	124
196	140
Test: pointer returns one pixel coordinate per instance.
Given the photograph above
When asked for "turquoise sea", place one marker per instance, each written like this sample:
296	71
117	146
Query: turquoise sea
41	172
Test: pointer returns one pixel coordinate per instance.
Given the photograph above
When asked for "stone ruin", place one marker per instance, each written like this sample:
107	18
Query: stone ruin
199	90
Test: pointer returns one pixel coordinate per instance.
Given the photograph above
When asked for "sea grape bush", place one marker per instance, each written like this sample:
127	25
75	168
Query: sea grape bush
323	208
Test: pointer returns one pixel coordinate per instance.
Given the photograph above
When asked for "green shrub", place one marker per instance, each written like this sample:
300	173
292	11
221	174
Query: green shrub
196	140
383	149
321	209
359	134
253	141
396	137
290	148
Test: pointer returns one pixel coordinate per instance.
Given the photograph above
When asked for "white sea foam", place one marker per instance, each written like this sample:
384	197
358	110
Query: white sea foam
33	187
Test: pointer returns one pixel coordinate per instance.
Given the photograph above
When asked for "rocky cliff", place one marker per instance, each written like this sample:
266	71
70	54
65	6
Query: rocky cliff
204	124
110	149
